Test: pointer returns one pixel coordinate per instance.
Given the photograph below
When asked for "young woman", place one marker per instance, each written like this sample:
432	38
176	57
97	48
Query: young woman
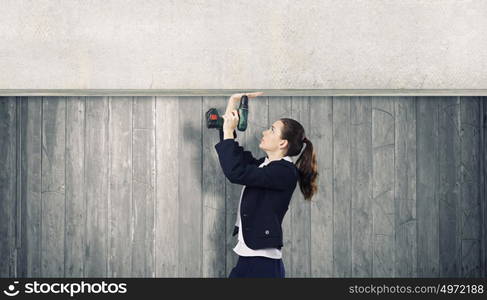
269	184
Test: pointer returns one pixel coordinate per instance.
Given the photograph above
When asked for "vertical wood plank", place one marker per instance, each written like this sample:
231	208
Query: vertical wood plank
15	257
361	186
30	251
300	212
190	208
342	252
448	186
143	259
75	187
383	145
427	185
8	182
405	187
96	178
214	227
321	135
470	258
120	216
483	148
470	186
232	196
143	111
281	107
53	186
167	186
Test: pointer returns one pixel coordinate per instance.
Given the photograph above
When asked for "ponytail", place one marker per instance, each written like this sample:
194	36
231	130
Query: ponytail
308	170
293	132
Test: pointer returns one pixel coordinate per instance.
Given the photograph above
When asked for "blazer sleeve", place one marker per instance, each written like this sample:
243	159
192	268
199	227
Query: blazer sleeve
248	157
237	168
251	159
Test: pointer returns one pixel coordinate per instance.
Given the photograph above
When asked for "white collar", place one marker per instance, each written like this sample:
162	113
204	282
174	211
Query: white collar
288	158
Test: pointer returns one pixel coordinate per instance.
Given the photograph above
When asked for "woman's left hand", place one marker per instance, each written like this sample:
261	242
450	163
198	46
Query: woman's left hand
230	121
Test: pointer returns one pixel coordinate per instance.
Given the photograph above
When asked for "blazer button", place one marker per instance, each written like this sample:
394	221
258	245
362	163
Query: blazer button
267	232
244	215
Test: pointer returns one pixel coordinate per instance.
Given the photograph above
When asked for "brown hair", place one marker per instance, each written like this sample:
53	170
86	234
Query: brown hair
293	132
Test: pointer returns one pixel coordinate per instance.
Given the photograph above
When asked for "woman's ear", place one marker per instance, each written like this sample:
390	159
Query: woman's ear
283	144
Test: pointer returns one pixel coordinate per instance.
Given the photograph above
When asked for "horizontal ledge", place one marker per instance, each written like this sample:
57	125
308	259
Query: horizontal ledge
228	92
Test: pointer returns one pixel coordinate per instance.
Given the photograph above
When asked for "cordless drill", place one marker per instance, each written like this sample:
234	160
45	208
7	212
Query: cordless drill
213	119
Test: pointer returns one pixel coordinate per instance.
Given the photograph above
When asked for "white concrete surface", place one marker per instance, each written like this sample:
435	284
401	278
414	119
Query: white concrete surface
218	44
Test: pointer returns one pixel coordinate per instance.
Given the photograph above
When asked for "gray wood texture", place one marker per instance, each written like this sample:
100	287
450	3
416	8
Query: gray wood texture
405	216
143	186
299	211
449	166
321	112
8	185
342	193
427	186
190	155
75	187
362	207
132	187
29	263
53	186
214	234
470	206
382	194
120	206
96	178
167	204
483	151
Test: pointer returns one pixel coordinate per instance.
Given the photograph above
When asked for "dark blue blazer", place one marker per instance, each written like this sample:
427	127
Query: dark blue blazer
267	194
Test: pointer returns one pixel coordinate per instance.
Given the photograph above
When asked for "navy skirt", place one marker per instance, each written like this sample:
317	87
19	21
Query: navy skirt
258	267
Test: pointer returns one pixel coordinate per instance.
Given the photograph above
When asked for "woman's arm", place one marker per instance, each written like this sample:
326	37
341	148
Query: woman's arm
227	134
236	166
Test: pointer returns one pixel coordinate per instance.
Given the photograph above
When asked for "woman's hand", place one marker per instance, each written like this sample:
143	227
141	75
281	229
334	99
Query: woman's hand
250	95
233	100
230	121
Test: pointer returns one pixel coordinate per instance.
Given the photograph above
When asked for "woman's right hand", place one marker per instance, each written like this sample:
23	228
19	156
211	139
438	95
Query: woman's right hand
230	121
233	100
250	95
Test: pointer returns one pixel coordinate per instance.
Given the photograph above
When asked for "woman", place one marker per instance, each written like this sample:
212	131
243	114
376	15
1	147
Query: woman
269	184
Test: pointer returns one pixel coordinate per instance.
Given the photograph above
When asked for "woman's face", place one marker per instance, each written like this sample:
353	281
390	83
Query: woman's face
271	140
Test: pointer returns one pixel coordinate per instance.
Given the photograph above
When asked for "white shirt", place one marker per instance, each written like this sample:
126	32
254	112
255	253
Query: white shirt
241	248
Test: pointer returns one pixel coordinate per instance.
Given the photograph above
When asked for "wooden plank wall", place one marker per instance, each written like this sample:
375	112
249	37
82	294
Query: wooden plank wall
132	187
